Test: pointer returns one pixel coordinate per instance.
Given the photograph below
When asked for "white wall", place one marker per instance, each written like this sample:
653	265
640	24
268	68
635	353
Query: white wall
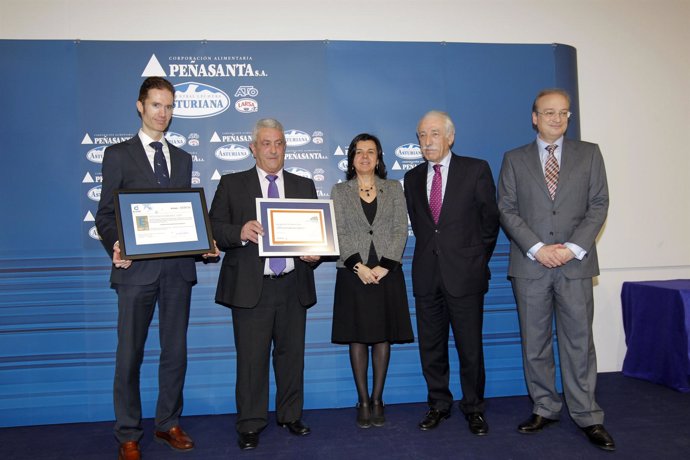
634	79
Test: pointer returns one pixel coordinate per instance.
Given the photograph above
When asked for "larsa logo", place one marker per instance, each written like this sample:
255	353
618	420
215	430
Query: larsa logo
299	171
94	194
246	105
96	155
342	165
232	152
296	138
408	152
93	233
178	140
197	100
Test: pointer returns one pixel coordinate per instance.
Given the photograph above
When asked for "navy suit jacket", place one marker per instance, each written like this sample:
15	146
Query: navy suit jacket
241	274
464	238
125	166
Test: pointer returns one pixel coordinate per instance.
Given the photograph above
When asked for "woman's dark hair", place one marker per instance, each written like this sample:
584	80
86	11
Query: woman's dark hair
351	150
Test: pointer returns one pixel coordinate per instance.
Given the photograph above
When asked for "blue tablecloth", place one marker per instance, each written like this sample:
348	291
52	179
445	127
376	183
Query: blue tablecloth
656	319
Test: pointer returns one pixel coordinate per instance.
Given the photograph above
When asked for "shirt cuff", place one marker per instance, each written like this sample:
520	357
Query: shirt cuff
577	250
534	249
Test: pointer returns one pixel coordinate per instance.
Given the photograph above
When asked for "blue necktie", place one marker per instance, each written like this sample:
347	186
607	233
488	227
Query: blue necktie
160	166
277	264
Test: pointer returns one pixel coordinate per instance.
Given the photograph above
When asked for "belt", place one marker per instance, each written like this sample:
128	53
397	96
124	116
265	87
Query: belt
274	276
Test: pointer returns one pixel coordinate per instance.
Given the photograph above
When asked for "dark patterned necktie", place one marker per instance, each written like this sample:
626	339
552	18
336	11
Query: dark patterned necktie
277	264
435	196
160	166
551	170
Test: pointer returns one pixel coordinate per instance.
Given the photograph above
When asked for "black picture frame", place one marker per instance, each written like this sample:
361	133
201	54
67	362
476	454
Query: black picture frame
155	223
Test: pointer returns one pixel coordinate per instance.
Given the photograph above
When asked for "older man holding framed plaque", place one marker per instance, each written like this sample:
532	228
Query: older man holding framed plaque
268	296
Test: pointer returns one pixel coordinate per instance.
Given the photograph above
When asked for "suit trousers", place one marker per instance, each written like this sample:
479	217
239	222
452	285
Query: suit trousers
278	320
571	301
136	305
436	313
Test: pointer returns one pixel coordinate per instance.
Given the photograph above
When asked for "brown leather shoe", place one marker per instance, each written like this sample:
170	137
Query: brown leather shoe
176	438
129	451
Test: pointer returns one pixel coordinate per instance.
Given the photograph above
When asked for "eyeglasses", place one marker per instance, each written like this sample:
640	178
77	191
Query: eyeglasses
551	114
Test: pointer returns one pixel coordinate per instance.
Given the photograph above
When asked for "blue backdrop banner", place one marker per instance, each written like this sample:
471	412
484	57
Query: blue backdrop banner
65	102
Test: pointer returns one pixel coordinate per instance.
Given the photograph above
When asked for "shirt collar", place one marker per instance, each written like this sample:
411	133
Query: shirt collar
445	162
146	139
542	144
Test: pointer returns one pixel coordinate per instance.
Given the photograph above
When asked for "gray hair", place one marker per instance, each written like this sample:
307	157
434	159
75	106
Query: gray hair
271	123
449	126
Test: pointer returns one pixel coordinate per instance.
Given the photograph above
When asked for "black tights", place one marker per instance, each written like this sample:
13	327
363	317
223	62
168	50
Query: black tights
359	360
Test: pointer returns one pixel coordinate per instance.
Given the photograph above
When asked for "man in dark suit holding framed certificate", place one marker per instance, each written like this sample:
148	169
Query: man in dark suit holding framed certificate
269	296
147	161
451	202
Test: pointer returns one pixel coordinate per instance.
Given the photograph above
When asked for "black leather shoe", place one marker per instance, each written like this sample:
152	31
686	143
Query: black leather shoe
534	424
296	427
598	436
363	415
432	419
377	416
477	423
248	440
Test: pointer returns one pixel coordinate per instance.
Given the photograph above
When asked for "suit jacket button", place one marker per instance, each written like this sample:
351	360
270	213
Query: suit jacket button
371	232
551	233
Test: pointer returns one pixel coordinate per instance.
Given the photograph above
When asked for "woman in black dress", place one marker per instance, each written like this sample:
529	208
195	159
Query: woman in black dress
370	306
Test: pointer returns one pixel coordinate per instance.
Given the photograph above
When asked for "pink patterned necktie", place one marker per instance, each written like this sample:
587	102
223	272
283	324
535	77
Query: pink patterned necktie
277	264
435	194
551	170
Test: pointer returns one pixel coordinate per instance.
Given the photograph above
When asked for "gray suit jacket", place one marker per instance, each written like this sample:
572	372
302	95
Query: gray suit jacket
576	215
388	232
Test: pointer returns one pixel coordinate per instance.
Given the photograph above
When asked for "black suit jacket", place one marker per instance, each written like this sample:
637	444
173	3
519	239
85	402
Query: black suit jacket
241	274
465	237
125	166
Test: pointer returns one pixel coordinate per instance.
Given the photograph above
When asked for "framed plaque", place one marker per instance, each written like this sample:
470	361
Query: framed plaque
155	223
297	227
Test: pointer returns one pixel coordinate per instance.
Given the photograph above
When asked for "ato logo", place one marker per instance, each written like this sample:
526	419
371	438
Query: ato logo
232	152
197	100
244	91
342	165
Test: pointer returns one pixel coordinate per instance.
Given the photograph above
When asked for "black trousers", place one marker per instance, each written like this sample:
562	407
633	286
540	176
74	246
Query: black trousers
278	321
437	312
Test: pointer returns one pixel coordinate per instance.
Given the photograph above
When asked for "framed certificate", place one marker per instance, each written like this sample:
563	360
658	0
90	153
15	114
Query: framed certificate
296	227
156	223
